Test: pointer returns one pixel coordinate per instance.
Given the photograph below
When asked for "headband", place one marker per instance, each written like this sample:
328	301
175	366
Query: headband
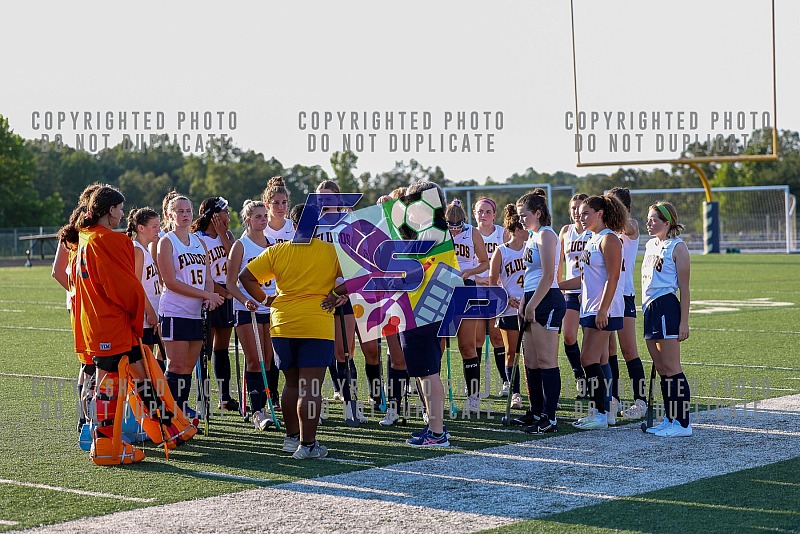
489	200
665	212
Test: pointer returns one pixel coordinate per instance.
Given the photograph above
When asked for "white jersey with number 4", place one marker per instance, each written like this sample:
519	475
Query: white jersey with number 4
659	272
595	276
512	274
189	262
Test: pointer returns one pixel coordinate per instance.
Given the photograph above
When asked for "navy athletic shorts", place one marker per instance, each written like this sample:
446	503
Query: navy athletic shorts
573	301
614	323
293	352
422	349
630	306
551	310
244	317
508	322
662	318
222	315
181	329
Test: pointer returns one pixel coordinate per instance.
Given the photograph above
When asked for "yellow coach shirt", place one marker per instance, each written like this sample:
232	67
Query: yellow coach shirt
304	275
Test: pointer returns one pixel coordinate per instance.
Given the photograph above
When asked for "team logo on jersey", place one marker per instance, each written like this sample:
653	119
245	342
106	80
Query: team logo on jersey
105	346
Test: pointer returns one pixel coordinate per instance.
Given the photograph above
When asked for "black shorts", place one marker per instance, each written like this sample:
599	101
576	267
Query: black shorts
222	315
110	364
470	283
551	310
614	323
181	329
508	322
244	317
573	301
149	337
662	317
292	352
630	306
347	308
422	349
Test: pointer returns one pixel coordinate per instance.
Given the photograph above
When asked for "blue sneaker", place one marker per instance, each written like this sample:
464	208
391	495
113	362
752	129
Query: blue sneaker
424	431
429	440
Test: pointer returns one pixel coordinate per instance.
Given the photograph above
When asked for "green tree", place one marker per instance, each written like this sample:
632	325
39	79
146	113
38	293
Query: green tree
19	200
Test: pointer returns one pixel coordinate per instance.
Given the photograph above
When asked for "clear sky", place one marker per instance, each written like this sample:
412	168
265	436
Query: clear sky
269	62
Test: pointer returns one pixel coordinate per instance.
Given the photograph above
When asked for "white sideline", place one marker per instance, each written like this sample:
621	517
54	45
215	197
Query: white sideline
76	491
484	489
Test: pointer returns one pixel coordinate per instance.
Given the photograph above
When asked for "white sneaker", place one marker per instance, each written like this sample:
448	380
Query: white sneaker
516	401
675	430
612	412
262	420
637	410
599	421
314	451
666	423
473	404
389	418
348	411
584	420
337	397
505	389
290	444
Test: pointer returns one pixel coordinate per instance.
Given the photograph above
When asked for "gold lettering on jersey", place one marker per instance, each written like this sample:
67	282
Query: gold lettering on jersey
656	262
577	246
188	258
528	255
490	248
150	272
461	250
217	253
514	266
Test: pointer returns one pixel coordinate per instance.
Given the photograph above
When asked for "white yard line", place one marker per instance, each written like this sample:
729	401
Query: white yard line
77	491
6	523
36	328
483	489
236	478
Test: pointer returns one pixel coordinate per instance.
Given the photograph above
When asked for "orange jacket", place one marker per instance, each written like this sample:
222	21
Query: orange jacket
108	295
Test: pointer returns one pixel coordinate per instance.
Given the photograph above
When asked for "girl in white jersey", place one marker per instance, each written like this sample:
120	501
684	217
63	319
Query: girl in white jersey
245	250
143	227
183	265
212	228
543	310
627	336
573	239
602	305
472	259
506	268
485	210
665	302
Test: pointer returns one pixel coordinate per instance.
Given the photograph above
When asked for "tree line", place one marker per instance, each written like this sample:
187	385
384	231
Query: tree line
39	185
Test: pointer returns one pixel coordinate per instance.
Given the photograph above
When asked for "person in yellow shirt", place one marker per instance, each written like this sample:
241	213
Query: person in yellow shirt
302	332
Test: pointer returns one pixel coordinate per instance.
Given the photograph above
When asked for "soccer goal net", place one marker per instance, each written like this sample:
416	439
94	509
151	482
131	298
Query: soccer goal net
752	219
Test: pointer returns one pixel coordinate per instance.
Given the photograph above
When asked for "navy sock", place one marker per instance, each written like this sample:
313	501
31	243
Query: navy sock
665	394
535	391
607	377
638	382
573	353
179	385
373	372
679	398
514	383
335	376
341	371
596	386
398	378
273	377
472	374
500	361
551	385
614	364
256	390
222	372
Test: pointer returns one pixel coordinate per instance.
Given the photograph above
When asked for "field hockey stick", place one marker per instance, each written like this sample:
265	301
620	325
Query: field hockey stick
487	369
162	351
453	409
202	368
158	409
353	421
507	417
649	423
383	405
238	374
264	370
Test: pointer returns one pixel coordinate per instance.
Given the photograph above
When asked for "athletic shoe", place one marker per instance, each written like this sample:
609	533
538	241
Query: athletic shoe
580	387
390	418
262	420
229	405
516	401
504	391
348	413
637	410
428	440
424	430
290	444
473	404
528	419
598	422
304	452
666	423
675	430
543	426
337	397
589	417
612	412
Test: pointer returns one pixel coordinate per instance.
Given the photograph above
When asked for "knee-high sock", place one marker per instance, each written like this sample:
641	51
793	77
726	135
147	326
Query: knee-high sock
551	385
573	353
256	390
607	377
348	393
614	365
373	372
273	376
398	378
472	374
334	370
535	390
222	372
179	386
515	382
500	362
665	394
679	398
596	385
638	382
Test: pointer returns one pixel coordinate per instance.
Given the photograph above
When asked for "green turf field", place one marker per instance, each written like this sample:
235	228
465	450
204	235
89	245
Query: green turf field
743	347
